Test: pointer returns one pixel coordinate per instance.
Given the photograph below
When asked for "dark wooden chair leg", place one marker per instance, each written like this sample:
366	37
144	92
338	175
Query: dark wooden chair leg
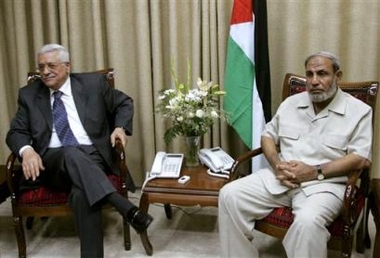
20	235
374	198
127	235
363	240
346	250
29	222
360	237
168	210
146	243
346	242
367	239
144	206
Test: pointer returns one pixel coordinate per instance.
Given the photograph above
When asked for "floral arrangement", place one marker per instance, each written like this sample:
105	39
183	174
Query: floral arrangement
192	111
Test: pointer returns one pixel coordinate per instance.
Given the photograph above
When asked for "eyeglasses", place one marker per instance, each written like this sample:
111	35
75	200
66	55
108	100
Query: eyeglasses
49	66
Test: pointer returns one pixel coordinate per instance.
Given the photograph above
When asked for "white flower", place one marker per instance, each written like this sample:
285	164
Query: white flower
204	85
199	82
190	115
214	114
180	118
202	93
173	102
193	95
199	113
169	91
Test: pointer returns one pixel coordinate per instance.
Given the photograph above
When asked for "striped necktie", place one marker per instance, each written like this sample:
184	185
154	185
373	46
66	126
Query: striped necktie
61	122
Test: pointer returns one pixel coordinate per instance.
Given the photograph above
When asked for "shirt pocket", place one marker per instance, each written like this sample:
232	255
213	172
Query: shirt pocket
335	141
288	132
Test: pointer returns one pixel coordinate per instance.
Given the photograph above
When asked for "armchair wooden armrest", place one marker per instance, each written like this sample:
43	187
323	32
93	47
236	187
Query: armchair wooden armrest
14	175
350	196
354	209
123	170
125	176
234	173
357	185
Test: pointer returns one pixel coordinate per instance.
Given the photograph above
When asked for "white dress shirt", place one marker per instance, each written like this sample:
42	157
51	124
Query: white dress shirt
72	115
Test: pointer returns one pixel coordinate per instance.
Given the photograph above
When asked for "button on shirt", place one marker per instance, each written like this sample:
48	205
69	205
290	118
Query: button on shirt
72	115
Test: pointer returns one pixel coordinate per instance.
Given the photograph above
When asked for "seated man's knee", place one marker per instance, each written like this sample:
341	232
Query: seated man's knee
227	193
307	220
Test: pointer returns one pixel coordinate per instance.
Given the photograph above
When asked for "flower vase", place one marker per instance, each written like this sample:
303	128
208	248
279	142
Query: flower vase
192	148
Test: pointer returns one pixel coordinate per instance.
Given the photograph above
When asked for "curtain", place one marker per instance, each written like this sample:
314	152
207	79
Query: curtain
141	38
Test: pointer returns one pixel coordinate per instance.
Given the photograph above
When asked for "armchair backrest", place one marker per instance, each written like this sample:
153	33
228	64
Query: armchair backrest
365	91
108	73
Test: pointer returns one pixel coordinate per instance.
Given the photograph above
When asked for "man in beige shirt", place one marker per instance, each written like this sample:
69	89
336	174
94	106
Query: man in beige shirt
322	133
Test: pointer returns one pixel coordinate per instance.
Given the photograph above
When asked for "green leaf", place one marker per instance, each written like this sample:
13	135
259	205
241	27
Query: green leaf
170	134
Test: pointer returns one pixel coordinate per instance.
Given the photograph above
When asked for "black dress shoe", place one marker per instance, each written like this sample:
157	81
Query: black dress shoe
138	220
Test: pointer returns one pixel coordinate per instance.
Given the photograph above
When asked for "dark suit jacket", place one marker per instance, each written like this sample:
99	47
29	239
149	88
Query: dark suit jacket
100	109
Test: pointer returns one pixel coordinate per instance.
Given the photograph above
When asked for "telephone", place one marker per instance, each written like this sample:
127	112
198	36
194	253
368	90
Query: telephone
167	165
216	159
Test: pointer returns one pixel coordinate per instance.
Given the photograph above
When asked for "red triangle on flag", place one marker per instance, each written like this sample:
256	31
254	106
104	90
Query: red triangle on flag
242	11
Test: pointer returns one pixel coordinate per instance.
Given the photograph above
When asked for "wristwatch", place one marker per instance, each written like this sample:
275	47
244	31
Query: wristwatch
320	175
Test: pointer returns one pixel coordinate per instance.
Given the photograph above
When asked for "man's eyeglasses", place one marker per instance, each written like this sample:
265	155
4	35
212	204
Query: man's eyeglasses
49	66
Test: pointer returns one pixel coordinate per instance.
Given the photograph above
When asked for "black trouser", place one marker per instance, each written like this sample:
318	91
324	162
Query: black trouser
80	170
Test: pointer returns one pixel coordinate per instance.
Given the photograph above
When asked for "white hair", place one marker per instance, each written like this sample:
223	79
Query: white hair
63	53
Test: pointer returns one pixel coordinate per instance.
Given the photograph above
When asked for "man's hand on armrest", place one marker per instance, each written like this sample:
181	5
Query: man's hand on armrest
119	133
31	163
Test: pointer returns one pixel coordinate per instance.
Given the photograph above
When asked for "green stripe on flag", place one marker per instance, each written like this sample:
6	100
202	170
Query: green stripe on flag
239	85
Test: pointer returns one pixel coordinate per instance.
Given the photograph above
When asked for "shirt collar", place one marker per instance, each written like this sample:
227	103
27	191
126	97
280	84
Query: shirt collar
337	105
65	88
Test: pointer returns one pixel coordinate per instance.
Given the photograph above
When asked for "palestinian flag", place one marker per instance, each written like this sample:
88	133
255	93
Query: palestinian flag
247	78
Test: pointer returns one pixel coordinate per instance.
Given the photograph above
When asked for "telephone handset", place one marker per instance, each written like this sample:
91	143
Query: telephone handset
167	165
216	159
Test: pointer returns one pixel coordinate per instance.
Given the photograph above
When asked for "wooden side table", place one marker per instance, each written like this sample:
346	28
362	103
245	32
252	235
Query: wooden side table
4	191
202	189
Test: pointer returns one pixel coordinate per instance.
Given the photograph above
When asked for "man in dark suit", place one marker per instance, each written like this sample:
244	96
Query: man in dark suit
63	134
